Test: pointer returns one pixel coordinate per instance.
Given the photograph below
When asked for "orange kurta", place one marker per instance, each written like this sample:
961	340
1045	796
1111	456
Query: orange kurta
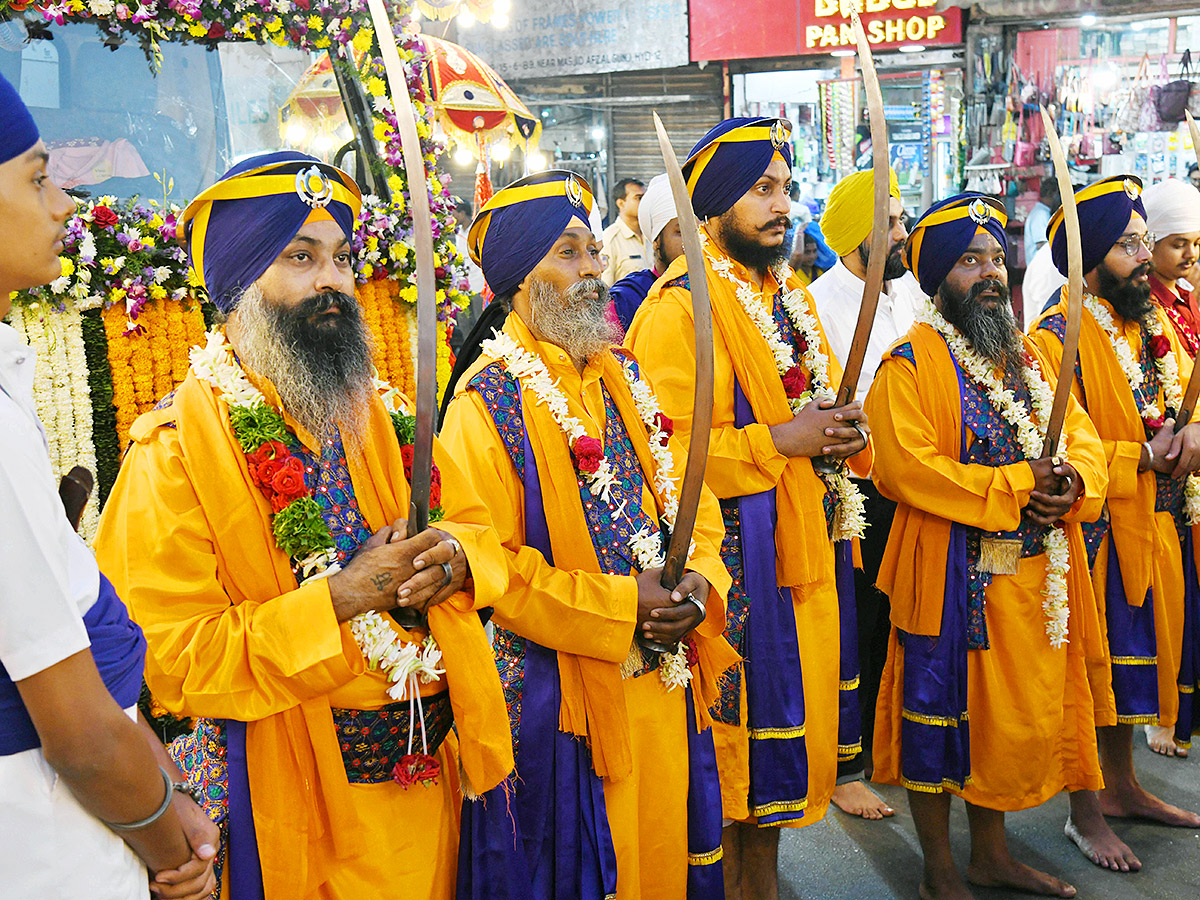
1147	541
186	540
1026	700
589	616
744	461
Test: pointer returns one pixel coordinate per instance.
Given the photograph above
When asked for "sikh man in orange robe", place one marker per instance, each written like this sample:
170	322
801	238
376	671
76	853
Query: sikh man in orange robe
985	694
786	717
276	460
615	788
1130	378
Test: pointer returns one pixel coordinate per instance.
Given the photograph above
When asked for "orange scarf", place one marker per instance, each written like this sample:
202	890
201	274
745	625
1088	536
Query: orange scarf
303	816
913	571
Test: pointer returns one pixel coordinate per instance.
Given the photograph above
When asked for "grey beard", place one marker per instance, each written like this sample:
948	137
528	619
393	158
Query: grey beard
324	380
571	320
991	332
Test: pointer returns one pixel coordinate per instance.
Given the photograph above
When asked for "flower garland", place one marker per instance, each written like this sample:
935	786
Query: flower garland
296	521
593	466
1031	435
850	520
1167	369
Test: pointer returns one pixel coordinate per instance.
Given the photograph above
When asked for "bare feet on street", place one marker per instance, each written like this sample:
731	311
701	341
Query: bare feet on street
1162	740
1011	874
1099	843
1135	802
949	888
857	799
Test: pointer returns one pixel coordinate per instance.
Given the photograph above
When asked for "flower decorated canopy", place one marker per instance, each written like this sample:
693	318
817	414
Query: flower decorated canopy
471	101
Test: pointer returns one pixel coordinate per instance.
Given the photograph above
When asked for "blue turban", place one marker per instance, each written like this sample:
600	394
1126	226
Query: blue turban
826	258
1104	210
946	230
17	131
238	227
519	225
730	158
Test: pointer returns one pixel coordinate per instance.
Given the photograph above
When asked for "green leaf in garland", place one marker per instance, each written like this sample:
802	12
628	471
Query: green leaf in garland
104	414
406	427
299	529
435	514
255	425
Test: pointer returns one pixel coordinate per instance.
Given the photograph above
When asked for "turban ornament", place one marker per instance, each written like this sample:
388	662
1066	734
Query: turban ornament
850	210
1104	210
236	228
518	226
944	233
1172	207
17	130
731	158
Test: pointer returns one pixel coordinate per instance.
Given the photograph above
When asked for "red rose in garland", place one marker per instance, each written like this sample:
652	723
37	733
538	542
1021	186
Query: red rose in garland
288	482
1155	423
589	452
664	424
1160	346
406	454
794	382
414	768
104	217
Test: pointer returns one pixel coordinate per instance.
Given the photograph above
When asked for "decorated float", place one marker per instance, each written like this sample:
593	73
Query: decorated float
141	105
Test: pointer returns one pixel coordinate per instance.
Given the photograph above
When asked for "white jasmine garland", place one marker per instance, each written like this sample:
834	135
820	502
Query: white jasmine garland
1168	376
1031	434
646	544
850	520
381	645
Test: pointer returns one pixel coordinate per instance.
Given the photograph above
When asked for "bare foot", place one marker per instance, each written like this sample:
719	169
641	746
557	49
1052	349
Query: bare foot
855	798
950	887
1135	802
1162	740
1097	841
1019	877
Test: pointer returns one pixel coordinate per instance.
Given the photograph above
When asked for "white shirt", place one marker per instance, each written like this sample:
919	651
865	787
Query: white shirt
52	847
626	252
1042	280
839	294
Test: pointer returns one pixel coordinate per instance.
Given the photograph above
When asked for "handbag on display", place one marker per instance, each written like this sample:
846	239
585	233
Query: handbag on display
1172	97
1129	110
1149	119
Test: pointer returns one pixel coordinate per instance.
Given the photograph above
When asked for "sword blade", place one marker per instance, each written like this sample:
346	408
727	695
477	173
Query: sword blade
702	400
1066	371
1188	406
414	169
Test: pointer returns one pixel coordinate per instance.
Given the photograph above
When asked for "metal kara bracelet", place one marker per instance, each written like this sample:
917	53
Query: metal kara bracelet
168	794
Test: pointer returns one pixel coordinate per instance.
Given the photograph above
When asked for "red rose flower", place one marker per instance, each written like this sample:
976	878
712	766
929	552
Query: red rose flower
1155	423
288	481
664	424
216	31
588	454
406	454
104	217
693	654
801	343
794	382
278	501
264	475
435	495
435	475
1160	346
416	767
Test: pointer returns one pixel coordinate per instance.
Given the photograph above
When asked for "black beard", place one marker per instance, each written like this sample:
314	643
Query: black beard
335	347
990	330
893	266
1129	300
749	249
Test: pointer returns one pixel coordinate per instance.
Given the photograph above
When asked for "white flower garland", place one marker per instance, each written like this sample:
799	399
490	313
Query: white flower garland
850	520
401	661
1031	434
1168	376
646	545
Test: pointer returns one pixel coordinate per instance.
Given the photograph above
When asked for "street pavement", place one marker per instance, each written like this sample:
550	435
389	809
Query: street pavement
847	858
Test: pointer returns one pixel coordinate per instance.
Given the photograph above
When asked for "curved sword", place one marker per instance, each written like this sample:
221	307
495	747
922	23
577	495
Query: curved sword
1066	371
879	229
418	193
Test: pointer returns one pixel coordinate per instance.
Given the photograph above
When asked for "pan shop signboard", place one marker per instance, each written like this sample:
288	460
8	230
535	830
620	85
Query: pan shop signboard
581	37
767	28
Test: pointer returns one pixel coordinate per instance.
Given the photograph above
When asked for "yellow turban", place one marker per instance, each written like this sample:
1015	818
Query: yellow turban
850	210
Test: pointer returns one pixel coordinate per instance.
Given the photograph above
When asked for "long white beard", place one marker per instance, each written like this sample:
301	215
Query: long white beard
572	320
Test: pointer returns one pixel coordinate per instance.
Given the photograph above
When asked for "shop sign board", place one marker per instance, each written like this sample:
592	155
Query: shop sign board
767	28
583	37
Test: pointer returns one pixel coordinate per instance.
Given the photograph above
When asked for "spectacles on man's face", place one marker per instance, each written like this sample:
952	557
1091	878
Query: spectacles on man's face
1130	242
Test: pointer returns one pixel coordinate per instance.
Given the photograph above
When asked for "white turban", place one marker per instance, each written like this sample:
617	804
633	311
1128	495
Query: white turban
1172	207
655	211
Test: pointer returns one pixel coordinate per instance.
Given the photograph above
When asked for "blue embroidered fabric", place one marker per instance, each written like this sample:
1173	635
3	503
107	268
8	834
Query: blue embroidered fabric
611	523
727	709
1057	325
905	351
166	400
328	478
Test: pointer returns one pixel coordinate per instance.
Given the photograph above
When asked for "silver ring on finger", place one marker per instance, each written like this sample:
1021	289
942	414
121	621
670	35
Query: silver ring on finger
455	546
863	433
448	572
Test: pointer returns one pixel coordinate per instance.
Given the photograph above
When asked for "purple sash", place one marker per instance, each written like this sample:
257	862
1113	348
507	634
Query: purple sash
1133	645
119	650
1188	722
774	680
849	713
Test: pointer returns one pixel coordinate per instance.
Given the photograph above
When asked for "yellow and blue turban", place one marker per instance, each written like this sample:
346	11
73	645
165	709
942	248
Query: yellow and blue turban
17	131
946	230
850	210
237	227
730	158
519	225
1104	210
